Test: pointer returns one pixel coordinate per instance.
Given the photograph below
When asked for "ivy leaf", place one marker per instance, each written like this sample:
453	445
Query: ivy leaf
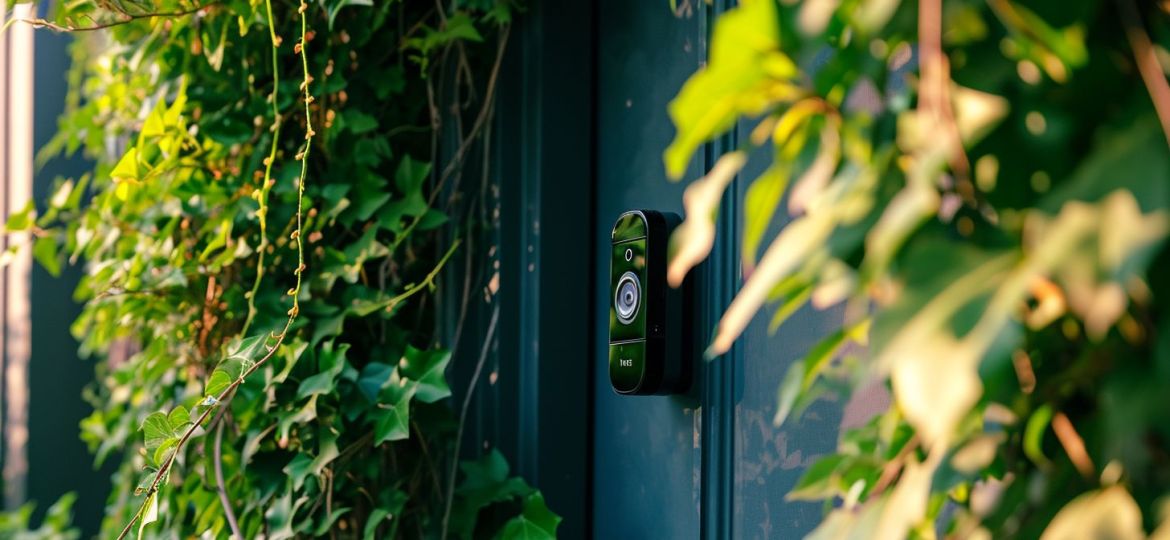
299	469
280	514
392	423
291	353
157	430
336	7
22	220
366	206
746	75
179	418
217	383
428	370
150	515
45	251
536	522
819	480
303	415
485	481
1108	513
390	505
458	26
330	361
804	372
127	167
377	516
410	174
374	377
145	481
363	249
327	524
227	372
359	122
326	450
249	349
432	219
760	203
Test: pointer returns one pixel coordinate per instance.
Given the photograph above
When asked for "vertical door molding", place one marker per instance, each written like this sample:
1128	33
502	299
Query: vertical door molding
533	401
718	391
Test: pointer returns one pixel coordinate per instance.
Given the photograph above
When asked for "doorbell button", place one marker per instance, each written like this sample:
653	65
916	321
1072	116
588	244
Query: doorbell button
627	366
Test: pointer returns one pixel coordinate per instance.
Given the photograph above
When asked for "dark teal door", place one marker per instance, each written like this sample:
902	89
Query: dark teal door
713	465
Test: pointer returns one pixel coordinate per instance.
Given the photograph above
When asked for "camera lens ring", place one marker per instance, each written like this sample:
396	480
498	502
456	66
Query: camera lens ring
627	297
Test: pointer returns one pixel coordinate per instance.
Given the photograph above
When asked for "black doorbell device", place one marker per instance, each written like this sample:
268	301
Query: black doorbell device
648	351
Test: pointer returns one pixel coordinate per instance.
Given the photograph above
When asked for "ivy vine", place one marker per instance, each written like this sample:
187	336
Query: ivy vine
262	248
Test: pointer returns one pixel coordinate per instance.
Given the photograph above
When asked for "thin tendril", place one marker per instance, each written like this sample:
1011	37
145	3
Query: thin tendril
224	395
266	186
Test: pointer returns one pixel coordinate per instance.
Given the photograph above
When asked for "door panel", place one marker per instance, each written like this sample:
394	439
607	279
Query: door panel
646	456
770	460
711	465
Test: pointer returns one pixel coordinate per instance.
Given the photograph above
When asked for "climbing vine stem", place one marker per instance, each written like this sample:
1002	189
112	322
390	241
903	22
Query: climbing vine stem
267	182
202	191
223	398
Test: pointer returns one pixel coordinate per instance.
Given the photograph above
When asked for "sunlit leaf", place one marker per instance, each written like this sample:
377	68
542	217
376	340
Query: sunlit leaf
746	73
1108	513
149	515
800	238
1034	432
692	240
976	113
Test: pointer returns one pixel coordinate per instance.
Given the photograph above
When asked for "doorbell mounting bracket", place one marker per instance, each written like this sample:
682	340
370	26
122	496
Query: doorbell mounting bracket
648	341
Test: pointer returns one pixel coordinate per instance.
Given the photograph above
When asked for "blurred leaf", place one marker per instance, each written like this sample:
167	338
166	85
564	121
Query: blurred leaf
692	240
22	219
818	481
45	252
763	196
746	74
797	241
336	7
1034	432
485	480
1108	513
976	113
802	373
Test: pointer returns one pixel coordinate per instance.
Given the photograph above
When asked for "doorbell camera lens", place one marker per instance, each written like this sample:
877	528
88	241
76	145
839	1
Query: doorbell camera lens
627	298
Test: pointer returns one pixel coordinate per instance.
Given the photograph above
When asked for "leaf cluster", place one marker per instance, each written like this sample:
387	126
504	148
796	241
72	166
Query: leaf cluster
239	147
983	188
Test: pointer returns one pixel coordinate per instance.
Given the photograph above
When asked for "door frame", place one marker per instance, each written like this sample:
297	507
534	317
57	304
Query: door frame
544	164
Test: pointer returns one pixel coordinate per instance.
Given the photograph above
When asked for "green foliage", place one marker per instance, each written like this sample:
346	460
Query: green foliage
260	230
983	187
57	524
